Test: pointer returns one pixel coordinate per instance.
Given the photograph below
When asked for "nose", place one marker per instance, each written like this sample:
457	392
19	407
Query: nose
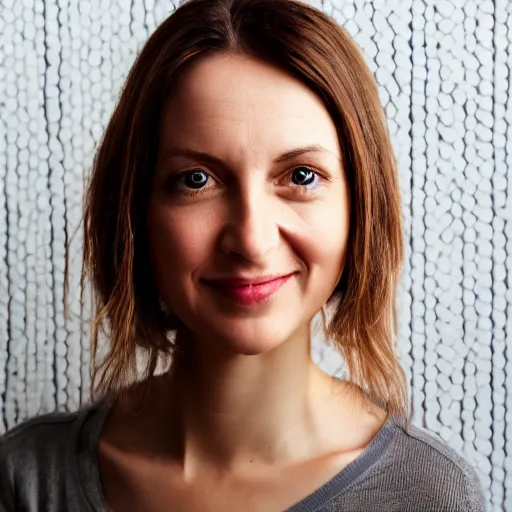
252	228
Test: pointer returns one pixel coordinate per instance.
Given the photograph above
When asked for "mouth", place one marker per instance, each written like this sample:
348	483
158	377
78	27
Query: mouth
247	291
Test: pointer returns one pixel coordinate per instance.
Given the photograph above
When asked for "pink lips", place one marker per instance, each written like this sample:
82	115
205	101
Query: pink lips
249	291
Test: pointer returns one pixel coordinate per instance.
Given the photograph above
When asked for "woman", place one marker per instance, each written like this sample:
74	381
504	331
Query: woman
245	182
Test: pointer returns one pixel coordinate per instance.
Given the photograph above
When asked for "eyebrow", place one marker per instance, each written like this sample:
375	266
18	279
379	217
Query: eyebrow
287	155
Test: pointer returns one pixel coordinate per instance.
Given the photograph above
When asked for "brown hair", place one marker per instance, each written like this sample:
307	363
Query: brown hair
309	45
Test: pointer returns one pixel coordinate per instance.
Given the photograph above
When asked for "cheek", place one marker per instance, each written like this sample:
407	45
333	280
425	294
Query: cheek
326	229
180	239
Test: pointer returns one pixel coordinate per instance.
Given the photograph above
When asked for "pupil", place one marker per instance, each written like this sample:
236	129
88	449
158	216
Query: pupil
303	176
196	179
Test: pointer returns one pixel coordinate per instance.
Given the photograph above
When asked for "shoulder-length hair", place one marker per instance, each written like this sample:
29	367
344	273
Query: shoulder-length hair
313	48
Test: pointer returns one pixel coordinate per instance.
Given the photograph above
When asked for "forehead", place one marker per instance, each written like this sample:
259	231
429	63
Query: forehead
228	104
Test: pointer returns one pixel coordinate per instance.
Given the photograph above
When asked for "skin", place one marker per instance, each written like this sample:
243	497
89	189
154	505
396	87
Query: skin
250	420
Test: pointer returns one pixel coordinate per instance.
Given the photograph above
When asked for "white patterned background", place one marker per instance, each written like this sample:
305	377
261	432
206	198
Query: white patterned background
443	67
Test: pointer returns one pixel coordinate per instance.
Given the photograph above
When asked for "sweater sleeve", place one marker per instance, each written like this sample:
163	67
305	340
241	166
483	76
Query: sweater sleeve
33	466
7	503
417	473
440	478
475	501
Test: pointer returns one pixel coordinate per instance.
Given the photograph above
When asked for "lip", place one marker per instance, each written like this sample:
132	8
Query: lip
249	290
247	281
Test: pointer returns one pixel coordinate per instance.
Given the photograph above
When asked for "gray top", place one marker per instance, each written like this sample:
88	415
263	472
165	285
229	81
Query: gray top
50	463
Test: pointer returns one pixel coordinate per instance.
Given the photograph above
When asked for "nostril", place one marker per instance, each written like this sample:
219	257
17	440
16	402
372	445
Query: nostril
250	240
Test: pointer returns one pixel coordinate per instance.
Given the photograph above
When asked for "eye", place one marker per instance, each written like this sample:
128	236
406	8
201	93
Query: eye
194	179
304	177
193	183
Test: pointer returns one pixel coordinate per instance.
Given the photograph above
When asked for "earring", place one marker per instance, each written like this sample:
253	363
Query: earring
163	306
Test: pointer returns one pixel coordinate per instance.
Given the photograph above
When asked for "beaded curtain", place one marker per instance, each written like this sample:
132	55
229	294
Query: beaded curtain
443	69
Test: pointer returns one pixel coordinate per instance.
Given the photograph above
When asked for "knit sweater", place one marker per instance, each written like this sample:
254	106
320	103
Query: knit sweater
50	463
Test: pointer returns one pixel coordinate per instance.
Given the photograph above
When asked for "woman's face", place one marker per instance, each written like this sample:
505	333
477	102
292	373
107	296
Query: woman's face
249	213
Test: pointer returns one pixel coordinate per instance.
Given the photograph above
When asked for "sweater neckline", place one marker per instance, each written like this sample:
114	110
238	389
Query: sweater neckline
88	478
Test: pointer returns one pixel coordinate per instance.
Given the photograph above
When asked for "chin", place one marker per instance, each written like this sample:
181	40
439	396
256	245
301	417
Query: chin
253	347
250	338
250	344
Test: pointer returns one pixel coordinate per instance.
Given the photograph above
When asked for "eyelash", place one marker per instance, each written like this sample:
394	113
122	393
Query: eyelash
298	189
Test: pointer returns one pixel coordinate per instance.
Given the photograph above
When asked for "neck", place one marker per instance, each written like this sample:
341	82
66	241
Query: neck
229	411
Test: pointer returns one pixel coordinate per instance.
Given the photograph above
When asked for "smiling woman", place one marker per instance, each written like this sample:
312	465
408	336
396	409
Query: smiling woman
245	183
262	164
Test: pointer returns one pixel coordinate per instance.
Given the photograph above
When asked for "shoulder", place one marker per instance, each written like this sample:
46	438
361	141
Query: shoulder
35	455
427	469
45	434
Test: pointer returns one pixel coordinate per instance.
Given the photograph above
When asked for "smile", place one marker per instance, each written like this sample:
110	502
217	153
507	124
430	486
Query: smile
249	291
